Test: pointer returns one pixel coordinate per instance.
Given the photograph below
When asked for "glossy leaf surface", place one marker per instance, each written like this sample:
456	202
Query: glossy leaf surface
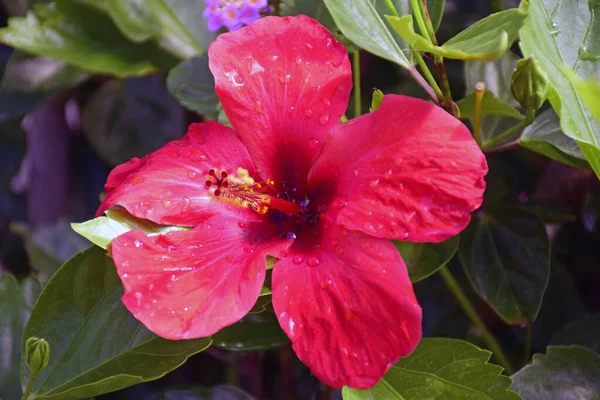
566	373
424	259
75	310
490	105
360	22
546	137
449	369
506	255
82	35
564	34
16	301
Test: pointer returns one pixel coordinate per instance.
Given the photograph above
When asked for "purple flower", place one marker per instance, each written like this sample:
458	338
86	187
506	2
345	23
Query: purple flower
249	14
231	17
257	4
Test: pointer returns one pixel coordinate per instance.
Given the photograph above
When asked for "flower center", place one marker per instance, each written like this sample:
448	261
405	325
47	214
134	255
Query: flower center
242	191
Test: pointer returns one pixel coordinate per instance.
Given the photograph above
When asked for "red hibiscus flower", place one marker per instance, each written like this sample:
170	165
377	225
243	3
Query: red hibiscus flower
289	181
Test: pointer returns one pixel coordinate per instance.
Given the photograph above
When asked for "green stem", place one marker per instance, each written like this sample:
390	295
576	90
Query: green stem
30	384
430	79
423	83
503	136
392	8
468	308
416	8
529	336
356	83
479	92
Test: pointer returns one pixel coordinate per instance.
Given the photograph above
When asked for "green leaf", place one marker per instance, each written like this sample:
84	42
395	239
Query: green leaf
49	246
16	301
487	39
440	368
131	118
84	36
566	373
102	230
436	12
192	83
424	259
159	20
506	255
219	392
583	331
29	81
496	75
589	90
360	22
560	34
490	105
546	137
76	309
254	333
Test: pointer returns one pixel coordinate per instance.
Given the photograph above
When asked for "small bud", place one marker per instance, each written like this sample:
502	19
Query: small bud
529	84
37	353
377	99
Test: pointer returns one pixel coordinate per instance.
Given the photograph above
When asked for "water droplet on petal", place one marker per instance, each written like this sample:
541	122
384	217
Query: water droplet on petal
326	101
285	78
338	204
324	119
373	184
308	45
186	206
242	224
166	202
173	154
298	260
309	113
248	249
137	179
291	109
192	174
314	143
369	227
388	174
198	156
325	283
313	261
298	60
259	108
138	243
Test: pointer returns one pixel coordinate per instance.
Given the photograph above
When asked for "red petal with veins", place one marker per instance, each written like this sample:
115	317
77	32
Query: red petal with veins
408	171
168	186
284	83
348	306
190	284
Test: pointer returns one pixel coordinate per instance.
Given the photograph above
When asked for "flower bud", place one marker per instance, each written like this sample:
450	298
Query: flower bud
529	84
37	353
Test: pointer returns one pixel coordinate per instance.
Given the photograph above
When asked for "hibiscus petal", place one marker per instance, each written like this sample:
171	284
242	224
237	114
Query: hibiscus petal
190	284
347	306
283	82
408	171
168	185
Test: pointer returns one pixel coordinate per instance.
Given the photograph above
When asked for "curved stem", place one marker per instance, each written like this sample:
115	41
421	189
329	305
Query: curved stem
391	7
479	92
423	83
521	125
416	8
468	308
430	79
356	83
30	384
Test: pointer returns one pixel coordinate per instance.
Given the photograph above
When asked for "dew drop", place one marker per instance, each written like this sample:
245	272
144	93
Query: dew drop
242	224
326	101
198	156
166	202
369	227
285	78
325	283
298	60
373	184
314	143
298	260
192	174
328	42
248	250
338	204
388	174
313	261
309	113
291	109
138	243
324	119
258	107
137	179
308	45
174	154
187	201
